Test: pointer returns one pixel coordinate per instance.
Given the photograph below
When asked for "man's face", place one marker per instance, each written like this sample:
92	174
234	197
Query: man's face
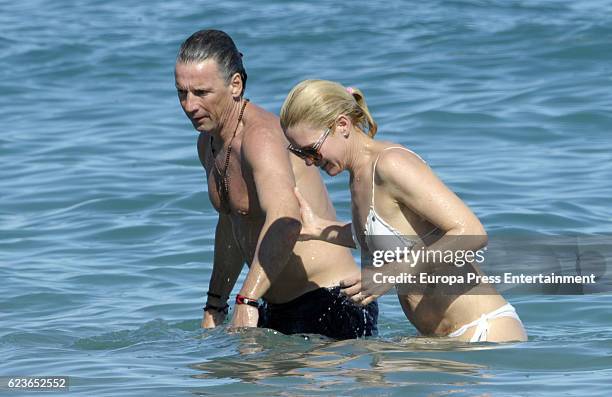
203	93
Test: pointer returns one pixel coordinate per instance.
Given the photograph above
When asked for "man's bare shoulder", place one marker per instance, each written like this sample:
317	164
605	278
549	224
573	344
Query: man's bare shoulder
263	136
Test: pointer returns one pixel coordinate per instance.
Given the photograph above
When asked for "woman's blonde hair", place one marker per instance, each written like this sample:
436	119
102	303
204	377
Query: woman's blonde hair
319	102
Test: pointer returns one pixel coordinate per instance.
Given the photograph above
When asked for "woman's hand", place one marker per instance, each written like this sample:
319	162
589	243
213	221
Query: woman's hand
311	223
362	289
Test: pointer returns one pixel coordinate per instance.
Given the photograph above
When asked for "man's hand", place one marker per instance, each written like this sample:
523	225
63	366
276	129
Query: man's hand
212	318
245	316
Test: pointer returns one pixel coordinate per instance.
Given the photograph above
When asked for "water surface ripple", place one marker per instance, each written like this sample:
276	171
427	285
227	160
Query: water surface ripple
106	233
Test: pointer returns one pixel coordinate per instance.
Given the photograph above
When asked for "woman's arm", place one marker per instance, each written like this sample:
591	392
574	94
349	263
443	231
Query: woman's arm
317	228
413	184
410	182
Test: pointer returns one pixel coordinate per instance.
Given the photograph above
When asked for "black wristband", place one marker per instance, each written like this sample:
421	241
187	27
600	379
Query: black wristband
219	309
213	295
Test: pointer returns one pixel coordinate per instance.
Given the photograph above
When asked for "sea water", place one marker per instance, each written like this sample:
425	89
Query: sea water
106	231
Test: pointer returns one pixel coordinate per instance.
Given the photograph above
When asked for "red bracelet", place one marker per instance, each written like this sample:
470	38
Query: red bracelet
243	300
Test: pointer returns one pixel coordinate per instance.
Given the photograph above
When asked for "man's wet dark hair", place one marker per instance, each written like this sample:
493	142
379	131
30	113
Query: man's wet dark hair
217	45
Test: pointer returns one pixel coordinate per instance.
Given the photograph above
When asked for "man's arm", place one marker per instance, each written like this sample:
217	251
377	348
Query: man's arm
227	262
227	265
268	158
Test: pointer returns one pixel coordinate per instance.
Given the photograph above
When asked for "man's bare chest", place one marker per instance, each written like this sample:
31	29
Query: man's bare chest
231	190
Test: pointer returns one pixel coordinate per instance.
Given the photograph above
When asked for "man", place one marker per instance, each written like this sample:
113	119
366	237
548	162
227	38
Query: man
251	178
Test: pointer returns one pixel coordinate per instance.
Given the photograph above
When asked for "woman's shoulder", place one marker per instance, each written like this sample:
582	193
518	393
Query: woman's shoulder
397	161
393	154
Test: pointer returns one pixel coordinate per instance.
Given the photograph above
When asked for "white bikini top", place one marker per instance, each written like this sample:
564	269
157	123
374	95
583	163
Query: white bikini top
376	226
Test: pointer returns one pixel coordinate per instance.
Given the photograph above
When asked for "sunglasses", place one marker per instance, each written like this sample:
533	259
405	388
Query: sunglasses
310	152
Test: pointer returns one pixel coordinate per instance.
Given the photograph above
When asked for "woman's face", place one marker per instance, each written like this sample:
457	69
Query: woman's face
317	146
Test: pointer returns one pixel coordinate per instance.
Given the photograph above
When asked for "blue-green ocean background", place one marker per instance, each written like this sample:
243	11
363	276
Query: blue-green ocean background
106	232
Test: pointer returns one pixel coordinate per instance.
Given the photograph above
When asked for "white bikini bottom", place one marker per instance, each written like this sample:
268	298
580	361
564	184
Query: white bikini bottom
482	324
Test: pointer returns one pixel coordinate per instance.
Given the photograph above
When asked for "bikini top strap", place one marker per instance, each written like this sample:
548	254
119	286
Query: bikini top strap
376	162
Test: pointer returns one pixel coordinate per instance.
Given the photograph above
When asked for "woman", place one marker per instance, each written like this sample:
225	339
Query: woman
394	194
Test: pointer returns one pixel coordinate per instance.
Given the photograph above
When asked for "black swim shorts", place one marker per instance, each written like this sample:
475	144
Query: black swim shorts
323	311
